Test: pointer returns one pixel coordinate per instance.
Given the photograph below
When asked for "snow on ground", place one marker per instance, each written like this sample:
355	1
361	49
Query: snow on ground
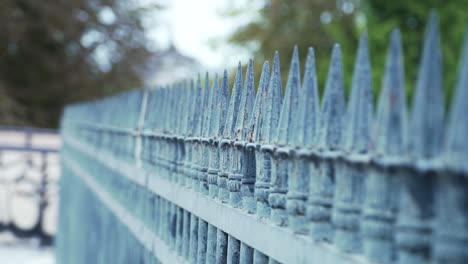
14	251
20	176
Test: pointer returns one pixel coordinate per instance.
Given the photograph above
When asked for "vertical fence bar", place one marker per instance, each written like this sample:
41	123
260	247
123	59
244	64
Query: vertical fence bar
306	126
382	185
283	140
451	233
270	119
349	190
424	137
323	168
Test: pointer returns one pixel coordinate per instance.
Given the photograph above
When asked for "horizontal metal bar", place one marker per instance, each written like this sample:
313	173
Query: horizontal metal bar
28	149
279	243
144	235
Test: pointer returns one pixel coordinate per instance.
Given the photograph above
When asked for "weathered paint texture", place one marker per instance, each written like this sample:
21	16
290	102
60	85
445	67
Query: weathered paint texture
193	173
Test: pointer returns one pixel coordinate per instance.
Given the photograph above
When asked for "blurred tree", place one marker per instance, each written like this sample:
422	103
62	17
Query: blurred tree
283	24
320	23
411	17
56	52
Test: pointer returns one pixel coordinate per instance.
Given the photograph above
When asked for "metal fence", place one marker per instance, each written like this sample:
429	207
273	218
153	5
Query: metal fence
29	170
195	174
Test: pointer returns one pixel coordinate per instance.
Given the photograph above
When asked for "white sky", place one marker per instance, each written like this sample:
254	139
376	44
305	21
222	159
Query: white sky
196	25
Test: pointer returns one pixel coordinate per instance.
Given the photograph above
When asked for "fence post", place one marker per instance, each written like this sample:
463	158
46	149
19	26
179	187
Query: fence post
352	173
451	234
270	119
306	127
240	162
227	152
328	142
254	137
284	137
382	185
425	138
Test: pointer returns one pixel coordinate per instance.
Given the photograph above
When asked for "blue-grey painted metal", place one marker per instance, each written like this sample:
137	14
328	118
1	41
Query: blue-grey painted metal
351	173
323	166
414	223
192	173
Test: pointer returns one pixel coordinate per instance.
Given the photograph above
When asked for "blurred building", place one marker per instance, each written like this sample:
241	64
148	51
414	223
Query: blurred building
169	66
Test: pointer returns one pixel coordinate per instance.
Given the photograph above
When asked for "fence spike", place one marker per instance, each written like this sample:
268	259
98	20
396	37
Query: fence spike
238	161
196	112
309	104
347	205
246	105
456	151
208	107
272	103
223	103
270	116
360	109
254	137
204	106
390	135
228	133
427	117
255	125
333	105
451	233
424	139
214	107
285	132
382	188
212	175
306	127
232	114
197	118
321	186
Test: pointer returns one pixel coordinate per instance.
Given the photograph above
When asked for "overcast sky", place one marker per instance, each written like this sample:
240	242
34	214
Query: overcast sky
195	25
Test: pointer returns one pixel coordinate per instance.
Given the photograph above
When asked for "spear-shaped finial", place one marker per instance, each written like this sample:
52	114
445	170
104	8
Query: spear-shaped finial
456	147
223	102
390	130
427	119
286	133
255	126
214	106
197	109
333	106
246	104
360	109
272	103
233	109
309	104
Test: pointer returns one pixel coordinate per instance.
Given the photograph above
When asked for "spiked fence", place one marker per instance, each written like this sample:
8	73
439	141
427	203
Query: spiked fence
195	174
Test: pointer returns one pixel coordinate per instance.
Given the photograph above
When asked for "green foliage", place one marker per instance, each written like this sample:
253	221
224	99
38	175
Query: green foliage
283	24
320	23
411	17
48	52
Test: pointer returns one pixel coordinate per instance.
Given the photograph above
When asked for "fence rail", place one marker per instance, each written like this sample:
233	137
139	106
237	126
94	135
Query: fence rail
200	175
